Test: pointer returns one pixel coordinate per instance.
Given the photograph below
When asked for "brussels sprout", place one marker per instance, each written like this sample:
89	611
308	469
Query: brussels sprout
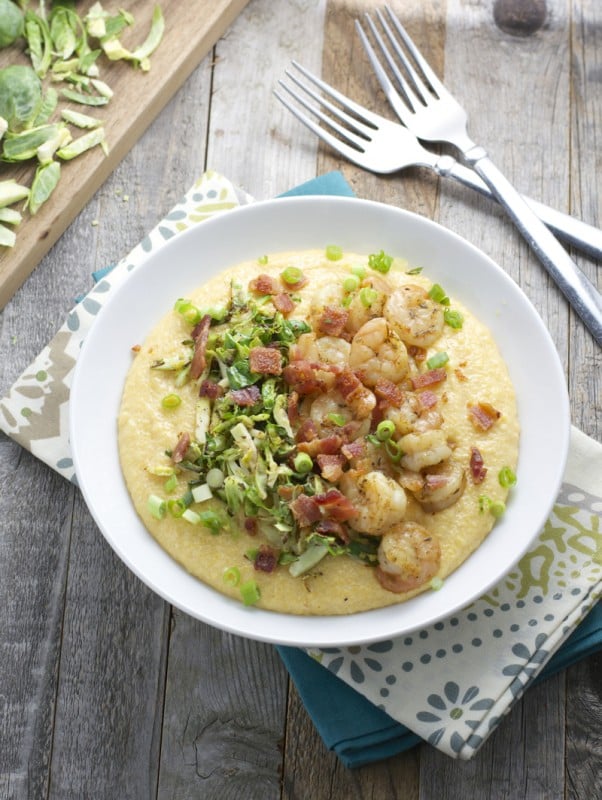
11	23
20	97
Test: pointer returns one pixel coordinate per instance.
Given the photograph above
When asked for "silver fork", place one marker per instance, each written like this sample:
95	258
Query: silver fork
379	145
431	113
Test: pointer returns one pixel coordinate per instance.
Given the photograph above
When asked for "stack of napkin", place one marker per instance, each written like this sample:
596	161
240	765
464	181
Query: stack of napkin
449	684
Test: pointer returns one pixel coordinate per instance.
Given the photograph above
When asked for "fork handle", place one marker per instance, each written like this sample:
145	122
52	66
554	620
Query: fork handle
572	230
577	288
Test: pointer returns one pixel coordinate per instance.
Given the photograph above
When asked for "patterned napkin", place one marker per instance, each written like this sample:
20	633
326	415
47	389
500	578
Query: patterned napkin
449	684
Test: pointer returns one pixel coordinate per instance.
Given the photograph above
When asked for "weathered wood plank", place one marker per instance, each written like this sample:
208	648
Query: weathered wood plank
224	716
110	694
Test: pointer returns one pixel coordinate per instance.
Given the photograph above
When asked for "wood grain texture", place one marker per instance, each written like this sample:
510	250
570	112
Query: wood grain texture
191	29
105	691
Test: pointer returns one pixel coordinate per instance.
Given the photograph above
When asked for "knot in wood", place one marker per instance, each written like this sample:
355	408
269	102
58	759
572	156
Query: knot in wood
519	17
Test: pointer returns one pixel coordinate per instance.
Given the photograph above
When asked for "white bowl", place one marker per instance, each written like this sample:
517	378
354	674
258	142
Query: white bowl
194	255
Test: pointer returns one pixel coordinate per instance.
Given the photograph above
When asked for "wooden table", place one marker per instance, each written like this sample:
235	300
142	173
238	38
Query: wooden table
106	691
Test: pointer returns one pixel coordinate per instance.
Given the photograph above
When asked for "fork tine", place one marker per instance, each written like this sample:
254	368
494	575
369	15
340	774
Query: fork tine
381	75
436	85
350	152
356	142
335	110
368	117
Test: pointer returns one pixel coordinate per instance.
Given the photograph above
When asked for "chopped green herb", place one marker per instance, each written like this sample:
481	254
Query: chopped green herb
437	293
250	592
437	360
334	252
381	262
453	318
507	477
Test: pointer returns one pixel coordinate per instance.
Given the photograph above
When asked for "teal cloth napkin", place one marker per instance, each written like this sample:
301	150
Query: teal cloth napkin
360	732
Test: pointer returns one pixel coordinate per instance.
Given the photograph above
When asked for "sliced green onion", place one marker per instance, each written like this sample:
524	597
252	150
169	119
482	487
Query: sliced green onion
262	260
437	360
436	584
367	296
351	283
171	483
438	294
231	576
453	318
414	271
334	252
384	430
191	516
381	262
303	463
337	419
171	401
156	506
507	477
215	478
249	591
176	507
359	270
201	493
495	507
292	275
211	520
393	450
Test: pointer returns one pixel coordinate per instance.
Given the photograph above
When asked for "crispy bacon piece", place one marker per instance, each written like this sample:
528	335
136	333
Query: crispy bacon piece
427	399
200	334
266	559
331	466
478	470
483	415
264	284
302	377
305	510
327	445
292	407
308	431
436	375
336	506
210	389
330	527
247	396
355	449
265	361
417	353
333	321
359	399
284	303
250	525
389	392
181	447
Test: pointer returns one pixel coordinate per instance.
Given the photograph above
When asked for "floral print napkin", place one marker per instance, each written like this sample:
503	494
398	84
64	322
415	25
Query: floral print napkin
452	682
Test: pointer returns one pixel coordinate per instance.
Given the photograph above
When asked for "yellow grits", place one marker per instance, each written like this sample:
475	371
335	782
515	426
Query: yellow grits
338	585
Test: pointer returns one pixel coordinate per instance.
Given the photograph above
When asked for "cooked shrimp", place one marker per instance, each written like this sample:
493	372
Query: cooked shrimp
305	348
405	415
417	318
331	294
377	352
421	450
380	501
443	486
326	405
333	350
363	307
408	557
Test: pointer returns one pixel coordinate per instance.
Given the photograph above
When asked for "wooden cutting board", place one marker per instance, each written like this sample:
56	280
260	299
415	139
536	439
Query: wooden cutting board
191	29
